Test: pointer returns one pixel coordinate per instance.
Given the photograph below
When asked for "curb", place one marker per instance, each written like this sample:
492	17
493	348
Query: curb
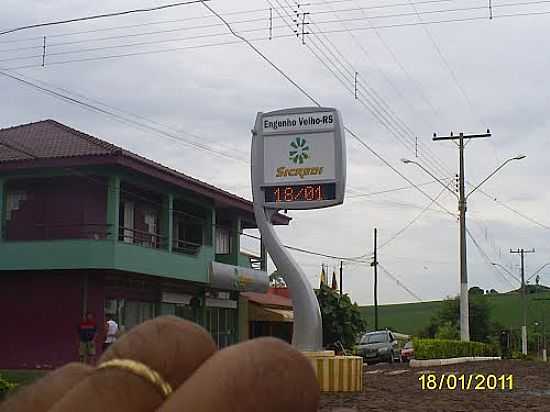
416	363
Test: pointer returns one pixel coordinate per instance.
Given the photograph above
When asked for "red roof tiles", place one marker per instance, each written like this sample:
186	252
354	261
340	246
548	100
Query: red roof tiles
49	143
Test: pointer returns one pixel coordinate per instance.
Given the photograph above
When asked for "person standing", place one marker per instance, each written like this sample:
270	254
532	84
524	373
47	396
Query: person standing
111	332
87	330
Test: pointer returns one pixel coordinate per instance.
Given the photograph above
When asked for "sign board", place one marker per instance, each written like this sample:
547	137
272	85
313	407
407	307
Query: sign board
228	277
299	158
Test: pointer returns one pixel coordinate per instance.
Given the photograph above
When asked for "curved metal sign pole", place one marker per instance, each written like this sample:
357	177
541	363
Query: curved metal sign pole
307	332
308	329
298	162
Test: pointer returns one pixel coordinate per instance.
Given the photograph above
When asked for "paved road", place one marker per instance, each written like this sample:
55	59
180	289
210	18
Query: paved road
399	388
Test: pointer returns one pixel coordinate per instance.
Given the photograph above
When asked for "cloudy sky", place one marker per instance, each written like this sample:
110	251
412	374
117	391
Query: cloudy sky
179	89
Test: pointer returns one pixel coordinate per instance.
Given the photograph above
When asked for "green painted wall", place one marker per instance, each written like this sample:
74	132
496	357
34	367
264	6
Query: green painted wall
162	263
104	254
244	261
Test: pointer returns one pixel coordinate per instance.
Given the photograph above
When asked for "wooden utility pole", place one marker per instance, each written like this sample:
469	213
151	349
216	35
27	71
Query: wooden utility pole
522	253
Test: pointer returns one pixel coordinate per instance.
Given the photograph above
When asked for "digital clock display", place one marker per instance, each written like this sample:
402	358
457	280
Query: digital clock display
300	193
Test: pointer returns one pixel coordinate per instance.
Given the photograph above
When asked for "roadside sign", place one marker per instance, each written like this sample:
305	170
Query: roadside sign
299	158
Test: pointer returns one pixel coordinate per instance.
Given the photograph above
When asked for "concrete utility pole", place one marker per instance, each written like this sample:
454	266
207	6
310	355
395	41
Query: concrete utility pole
462	198
464	298
522	253
374	264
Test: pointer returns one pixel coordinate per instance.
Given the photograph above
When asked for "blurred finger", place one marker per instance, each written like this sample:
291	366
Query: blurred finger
44	393
263	374
170	346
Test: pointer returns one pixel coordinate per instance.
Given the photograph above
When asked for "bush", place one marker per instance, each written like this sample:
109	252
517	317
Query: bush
442	348
342	320
5	387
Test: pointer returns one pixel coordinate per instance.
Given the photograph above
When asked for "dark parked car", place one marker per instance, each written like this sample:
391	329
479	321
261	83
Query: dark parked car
407	353
379	346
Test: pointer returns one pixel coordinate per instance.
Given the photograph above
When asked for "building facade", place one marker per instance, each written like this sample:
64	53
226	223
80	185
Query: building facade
86	226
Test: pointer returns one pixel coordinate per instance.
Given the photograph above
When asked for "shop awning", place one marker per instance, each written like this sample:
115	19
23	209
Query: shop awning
263	314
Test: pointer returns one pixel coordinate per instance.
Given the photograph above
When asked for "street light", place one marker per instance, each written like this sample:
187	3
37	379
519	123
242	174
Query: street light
407	161
507	271
462	197
538	271
518	157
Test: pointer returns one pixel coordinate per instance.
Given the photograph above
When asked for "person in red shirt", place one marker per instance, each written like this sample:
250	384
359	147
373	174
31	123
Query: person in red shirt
87	331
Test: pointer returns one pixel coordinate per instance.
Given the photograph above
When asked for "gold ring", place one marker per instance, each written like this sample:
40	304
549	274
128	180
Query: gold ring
141	370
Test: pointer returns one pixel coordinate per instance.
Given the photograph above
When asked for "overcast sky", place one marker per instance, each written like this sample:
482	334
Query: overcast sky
417	79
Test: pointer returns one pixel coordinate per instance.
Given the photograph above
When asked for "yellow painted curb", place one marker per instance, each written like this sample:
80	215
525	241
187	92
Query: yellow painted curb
337	373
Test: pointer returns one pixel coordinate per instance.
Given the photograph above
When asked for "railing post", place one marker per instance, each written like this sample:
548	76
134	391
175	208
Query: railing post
167	219
236	240
113	206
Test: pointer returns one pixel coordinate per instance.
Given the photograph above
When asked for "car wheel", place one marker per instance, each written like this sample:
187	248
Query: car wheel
391	357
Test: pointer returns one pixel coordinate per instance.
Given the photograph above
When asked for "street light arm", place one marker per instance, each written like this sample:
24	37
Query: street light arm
507	271
406	161
538	270
494	173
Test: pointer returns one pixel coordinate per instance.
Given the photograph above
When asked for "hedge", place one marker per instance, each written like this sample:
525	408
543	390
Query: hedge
442	348
5	387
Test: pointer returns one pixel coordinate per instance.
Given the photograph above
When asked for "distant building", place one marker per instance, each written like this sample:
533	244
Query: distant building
88	226
269	314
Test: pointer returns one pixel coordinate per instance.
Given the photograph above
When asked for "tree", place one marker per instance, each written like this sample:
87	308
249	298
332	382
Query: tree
276	280
447	318
447	330
476	290
342	320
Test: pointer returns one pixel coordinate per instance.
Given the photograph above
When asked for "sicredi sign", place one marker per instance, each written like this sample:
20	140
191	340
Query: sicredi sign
299	158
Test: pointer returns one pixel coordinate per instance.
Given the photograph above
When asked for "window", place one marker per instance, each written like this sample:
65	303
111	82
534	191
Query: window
374	338
13	201
137	312
151	224
128	222
223	241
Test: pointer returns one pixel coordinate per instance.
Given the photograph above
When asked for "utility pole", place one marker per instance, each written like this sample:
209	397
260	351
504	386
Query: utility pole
464	301
522	253
341	270
462	198
375	280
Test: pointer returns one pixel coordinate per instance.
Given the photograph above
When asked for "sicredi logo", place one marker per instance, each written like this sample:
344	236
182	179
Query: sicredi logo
299	150
299	171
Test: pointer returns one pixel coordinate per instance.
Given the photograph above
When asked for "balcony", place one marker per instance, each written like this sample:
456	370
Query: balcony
88	246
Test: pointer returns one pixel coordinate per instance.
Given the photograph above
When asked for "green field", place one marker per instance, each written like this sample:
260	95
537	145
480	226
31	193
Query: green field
409	318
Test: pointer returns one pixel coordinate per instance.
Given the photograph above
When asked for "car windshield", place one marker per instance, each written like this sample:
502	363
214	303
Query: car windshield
374	338
408	345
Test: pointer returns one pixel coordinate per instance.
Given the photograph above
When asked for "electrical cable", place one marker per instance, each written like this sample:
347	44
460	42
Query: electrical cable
399	282
101	16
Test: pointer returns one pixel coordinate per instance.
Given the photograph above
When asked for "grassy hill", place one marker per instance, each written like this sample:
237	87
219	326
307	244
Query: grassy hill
409	318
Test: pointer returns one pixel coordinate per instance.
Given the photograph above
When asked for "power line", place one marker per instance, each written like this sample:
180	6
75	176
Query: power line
401	127
486	257
361	141
399	283
511	209
117	116
101	16
175	49
383	113
310	252
396	189
413	221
